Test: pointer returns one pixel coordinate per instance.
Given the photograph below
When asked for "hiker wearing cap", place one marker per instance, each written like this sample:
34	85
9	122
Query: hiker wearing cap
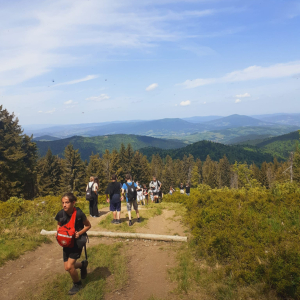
72	252
114	198
130	188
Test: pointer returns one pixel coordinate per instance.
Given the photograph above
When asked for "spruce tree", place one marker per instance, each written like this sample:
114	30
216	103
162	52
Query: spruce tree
95	168
157	166
122	170
209	171
73	177
136	167
224	170
168	177
195	178
115	163
17	159
49	175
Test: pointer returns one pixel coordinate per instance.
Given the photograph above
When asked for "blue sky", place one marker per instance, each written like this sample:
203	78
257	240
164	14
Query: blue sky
69	61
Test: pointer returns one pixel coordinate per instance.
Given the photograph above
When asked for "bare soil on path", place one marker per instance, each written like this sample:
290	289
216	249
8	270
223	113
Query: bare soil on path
148	262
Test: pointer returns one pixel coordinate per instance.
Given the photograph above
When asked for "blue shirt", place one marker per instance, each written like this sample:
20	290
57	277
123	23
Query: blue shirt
124	187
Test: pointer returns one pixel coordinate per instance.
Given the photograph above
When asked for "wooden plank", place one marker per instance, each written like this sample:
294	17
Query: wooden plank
145	236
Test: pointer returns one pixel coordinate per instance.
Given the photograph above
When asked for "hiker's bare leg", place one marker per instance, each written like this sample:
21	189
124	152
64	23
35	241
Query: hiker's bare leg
137	213
114	214
129	215
70	266
118	215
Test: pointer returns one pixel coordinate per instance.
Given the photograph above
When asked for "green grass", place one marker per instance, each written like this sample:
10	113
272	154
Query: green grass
105	261
22	220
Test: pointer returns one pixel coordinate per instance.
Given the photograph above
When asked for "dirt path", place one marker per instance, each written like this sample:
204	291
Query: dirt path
148	261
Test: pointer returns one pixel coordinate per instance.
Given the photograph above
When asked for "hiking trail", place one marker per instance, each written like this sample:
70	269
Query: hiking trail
148	261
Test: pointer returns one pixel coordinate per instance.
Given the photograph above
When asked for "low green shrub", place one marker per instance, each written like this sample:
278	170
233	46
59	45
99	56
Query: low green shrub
252	233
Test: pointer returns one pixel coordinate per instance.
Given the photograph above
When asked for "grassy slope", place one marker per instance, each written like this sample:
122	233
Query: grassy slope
215	151
99	144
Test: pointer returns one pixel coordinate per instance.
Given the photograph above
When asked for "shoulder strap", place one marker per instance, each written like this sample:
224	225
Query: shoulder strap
127	184
73	218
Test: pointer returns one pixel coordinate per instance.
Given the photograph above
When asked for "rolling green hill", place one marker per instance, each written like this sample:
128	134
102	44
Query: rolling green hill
99	144
280	146
230	135
214	150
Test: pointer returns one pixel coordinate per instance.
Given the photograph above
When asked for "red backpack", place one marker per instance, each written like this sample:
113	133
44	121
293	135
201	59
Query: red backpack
66	233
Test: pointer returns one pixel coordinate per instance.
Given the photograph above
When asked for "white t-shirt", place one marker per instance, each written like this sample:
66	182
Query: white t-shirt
156	185
95	186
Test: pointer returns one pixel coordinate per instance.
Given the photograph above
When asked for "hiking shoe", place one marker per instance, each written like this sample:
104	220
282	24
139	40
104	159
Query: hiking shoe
113	221
139	220
130	223
83	270
75	289
118	221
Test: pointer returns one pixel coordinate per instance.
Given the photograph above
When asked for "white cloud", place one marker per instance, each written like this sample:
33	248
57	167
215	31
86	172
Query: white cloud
87	78
40	111
250	73
238	100
43	35
98	98
50	111
204	102
151	87
185	103
68	102
246	95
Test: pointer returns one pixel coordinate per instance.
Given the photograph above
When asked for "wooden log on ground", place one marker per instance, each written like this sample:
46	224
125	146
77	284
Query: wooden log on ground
145	236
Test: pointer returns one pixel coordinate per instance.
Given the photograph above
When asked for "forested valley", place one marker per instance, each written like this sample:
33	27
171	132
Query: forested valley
25	175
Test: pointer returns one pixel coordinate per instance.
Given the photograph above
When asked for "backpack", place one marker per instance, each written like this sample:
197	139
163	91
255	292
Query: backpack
66	233
131	192
152	183
89	193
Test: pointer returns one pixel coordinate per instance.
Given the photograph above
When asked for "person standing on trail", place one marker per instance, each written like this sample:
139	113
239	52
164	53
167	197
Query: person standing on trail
155	186
145	193
130	188
139	195
113	196
70	255
187	189
181	188
94	201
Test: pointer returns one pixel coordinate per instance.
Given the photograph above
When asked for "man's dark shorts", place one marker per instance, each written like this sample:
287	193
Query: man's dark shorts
115	206
73	253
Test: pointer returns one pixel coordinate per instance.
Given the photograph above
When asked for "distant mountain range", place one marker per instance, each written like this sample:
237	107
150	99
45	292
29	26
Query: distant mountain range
164	128
283	119
99	144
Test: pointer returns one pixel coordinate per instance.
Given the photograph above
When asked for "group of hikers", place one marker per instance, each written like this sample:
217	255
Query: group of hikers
72	223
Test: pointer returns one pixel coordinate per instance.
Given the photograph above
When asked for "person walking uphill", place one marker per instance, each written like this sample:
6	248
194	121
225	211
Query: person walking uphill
73	252
130	188
113	196
92	196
